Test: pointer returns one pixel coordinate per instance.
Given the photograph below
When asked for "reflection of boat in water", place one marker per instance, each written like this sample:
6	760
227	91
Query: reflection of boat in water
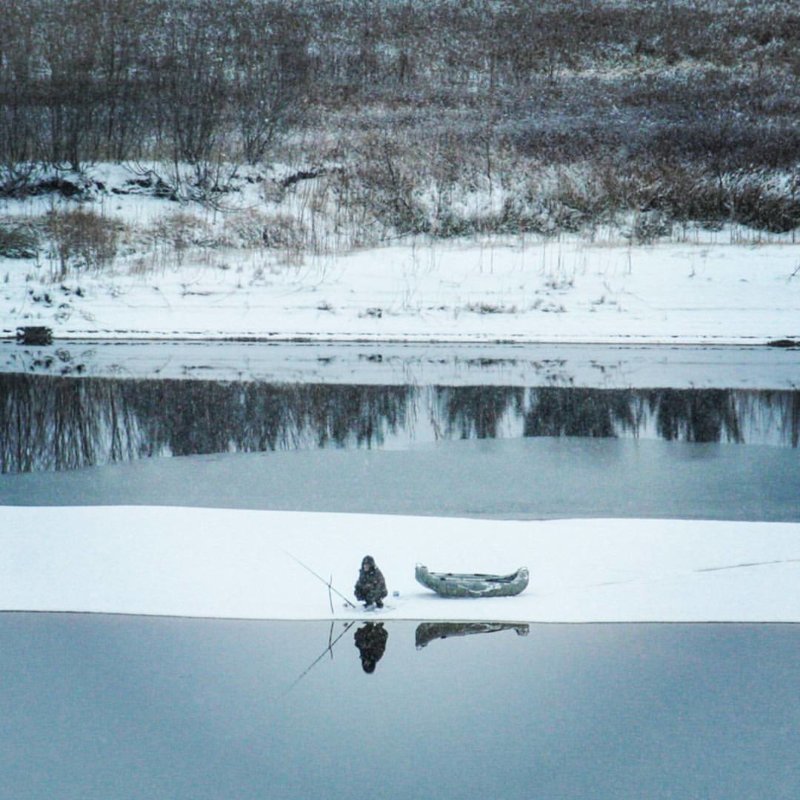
474	584
428	631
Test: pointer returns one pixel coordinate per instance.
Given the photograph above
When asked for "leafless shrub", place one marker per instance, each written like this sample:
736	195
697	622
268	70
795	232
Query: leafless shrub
757	208
181	230
246	228
81	239
18	240
387	185
649	226
284	232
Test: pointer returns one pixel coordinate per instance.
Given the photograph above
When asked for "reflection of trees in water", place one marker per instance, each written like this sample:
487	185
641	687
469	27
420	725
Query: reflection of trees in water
689	415
792	418
696	415
476	412
188	417
62	423
366	413
66	423
581	412
773	410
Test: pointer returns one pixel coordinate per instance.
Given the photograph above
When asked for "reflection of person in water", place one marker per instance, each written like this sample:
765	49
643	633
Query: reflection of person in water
370	586
370	640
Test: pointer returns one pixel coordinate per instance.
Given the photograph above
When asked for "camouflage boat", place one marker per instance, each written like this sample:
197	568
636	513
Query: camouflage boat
474	584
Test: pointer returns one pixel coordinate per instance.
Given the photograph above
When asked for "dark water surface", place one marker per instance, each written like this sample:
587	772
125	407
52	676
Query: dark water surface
123	708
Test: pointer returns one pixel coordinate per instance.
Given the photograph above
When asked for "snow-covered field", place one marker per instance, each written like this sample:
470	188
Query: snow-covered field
495	291
242	564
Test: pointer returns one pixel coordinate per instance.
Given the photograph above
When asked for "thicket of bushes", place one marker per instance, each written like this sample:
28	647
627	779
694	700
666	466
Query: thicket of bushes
566	111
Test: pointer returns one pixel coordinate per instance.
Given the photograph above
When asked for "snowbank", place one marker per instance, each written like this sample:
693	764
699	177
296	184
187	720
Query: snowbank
225	563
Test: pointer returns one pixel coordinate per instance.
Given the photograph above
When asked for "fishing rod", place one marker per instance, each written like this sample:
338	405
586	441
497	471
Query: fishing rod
320	578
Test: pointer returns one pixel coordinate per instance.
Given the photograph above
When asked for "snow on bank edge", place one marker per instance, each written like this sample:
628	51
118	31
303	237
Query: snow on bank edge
479	292
239	564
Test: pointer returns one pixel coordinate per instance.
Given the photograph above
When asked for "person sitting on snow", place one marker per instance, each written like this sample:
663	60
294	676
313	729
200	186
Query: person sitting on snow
370	586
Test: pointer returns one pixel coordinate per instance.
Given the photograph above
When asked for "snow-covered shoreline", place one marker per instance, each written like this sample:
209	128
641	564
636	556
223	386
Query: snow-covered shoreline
476	291
177	272
241	564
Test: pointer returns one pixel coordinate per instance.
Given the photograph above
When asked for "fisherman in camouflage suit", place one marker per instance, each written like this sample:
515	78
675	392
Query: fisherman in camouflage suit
370	586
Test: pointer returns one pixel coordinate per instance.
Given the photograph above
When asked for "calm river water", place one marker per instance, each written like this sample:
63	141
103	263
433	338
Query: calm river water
126	708
498	432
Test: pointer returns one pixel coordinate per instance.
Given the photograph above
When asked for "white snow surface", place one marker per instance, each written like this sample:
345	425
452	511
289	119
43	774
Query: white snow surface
477	291
241	564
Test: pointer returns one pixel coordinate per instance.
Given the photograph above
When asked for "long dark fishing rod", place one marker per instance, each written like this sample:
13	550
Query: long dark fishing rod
320	578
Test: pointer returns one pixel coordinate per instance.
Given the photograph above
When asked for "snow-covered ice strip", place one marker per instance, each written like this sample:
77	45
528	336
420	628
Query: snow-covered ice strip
242	564
620	366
